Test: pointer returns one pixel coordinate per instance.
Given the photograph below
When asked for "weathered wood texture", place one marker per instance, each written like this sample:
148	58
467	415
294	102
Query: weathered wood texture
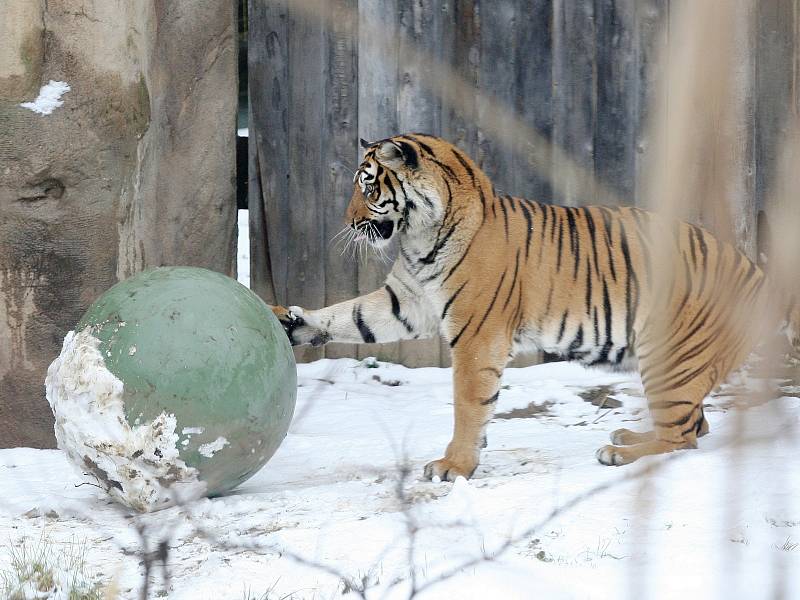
378	87
582	75
340	150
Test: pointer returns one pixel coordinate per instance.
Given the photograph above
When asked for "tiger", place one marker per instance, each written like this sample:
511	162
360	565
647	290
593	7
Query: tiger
496	275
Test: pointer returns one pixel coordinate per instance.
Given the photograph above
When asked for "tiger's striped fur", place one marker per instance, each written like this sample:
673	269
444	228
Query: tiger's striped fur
496	274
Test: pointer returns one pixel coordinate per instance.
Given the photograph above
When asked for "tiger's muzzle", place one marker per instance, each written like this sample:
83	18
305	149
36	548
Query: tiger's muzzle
375	232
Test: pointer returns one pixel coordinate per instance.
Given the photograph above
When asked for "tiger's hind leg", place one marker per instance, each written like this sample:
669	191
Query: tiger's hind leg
664	438
677	415
702	426
626	437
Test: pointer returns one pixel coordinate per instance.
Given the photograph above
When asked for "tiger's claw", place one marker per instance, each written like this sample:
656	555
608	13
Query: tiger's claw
447	470
297	328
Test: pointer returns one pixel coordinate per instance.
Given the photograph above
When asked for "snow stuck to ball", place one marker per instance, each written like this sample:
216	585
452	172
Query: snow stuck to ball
139	466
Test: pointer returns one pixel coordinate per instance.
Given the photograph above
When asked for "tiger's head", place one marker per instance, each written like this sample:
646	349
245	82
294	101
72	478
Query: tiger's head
393	192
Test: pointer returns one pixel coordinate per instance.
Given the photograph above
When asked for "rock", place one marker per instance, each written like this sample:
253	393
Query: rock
134	169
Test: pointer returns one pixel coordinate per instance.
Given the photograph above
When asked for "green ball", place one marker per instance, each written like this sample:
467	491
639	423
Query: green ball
200	346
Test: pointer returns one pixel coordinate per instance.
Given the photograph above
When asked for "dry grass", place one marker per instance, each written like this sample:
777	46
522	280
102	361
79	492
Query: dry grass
43	569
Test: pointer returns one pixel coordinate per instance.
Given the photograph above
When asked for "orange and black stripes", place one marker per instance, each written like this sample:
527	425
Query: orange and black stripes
495	274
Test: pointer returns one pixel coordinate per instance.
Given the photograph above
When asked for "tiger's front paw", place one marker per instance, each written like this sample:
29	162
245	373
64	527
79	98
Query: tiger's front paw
447	470
299	326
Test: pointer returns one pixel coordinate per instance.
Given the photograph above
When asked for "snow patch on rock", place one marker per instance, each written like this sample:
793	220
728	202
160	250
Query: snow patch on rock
49	98
139	466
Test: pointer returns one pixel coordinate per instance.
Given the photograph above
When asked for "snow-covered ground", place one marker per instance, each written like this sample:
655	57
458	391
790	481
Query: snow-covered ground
243	250
722	521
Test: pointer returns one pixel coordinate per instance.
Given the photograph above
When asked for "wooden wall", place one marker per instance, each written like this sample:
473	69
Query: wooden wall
551	97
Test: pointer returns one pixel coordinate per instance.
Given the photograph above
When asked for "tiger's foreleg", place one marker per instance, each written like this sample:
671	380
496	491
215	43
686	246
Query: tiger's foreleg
477	368
388	314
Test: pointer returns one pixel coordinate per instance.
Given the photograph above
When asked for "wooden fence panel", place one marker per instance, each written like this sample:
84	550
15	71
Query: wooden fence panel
650	42
796	62
307	247
268	74
574	96
742	204
582	74
340	152
775	57
496	82
418	110
378	61
461	51
533	101
617	90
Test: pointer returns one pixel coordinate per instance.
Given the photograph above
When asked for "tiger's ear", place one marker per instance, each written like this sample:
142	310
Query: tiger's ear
364	143
397	154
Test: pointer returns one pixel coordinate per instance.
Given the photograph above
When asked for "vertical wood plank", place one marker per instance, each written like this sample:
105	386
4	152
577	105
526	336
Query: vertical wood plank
461	53
377	119
796	69
418	110
306	273
419	25
775	56
743	217
574	95
508	72
533	86
340	152
710	122
496	80
263	283
617	97
268	82
691	208
727	160
650	44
